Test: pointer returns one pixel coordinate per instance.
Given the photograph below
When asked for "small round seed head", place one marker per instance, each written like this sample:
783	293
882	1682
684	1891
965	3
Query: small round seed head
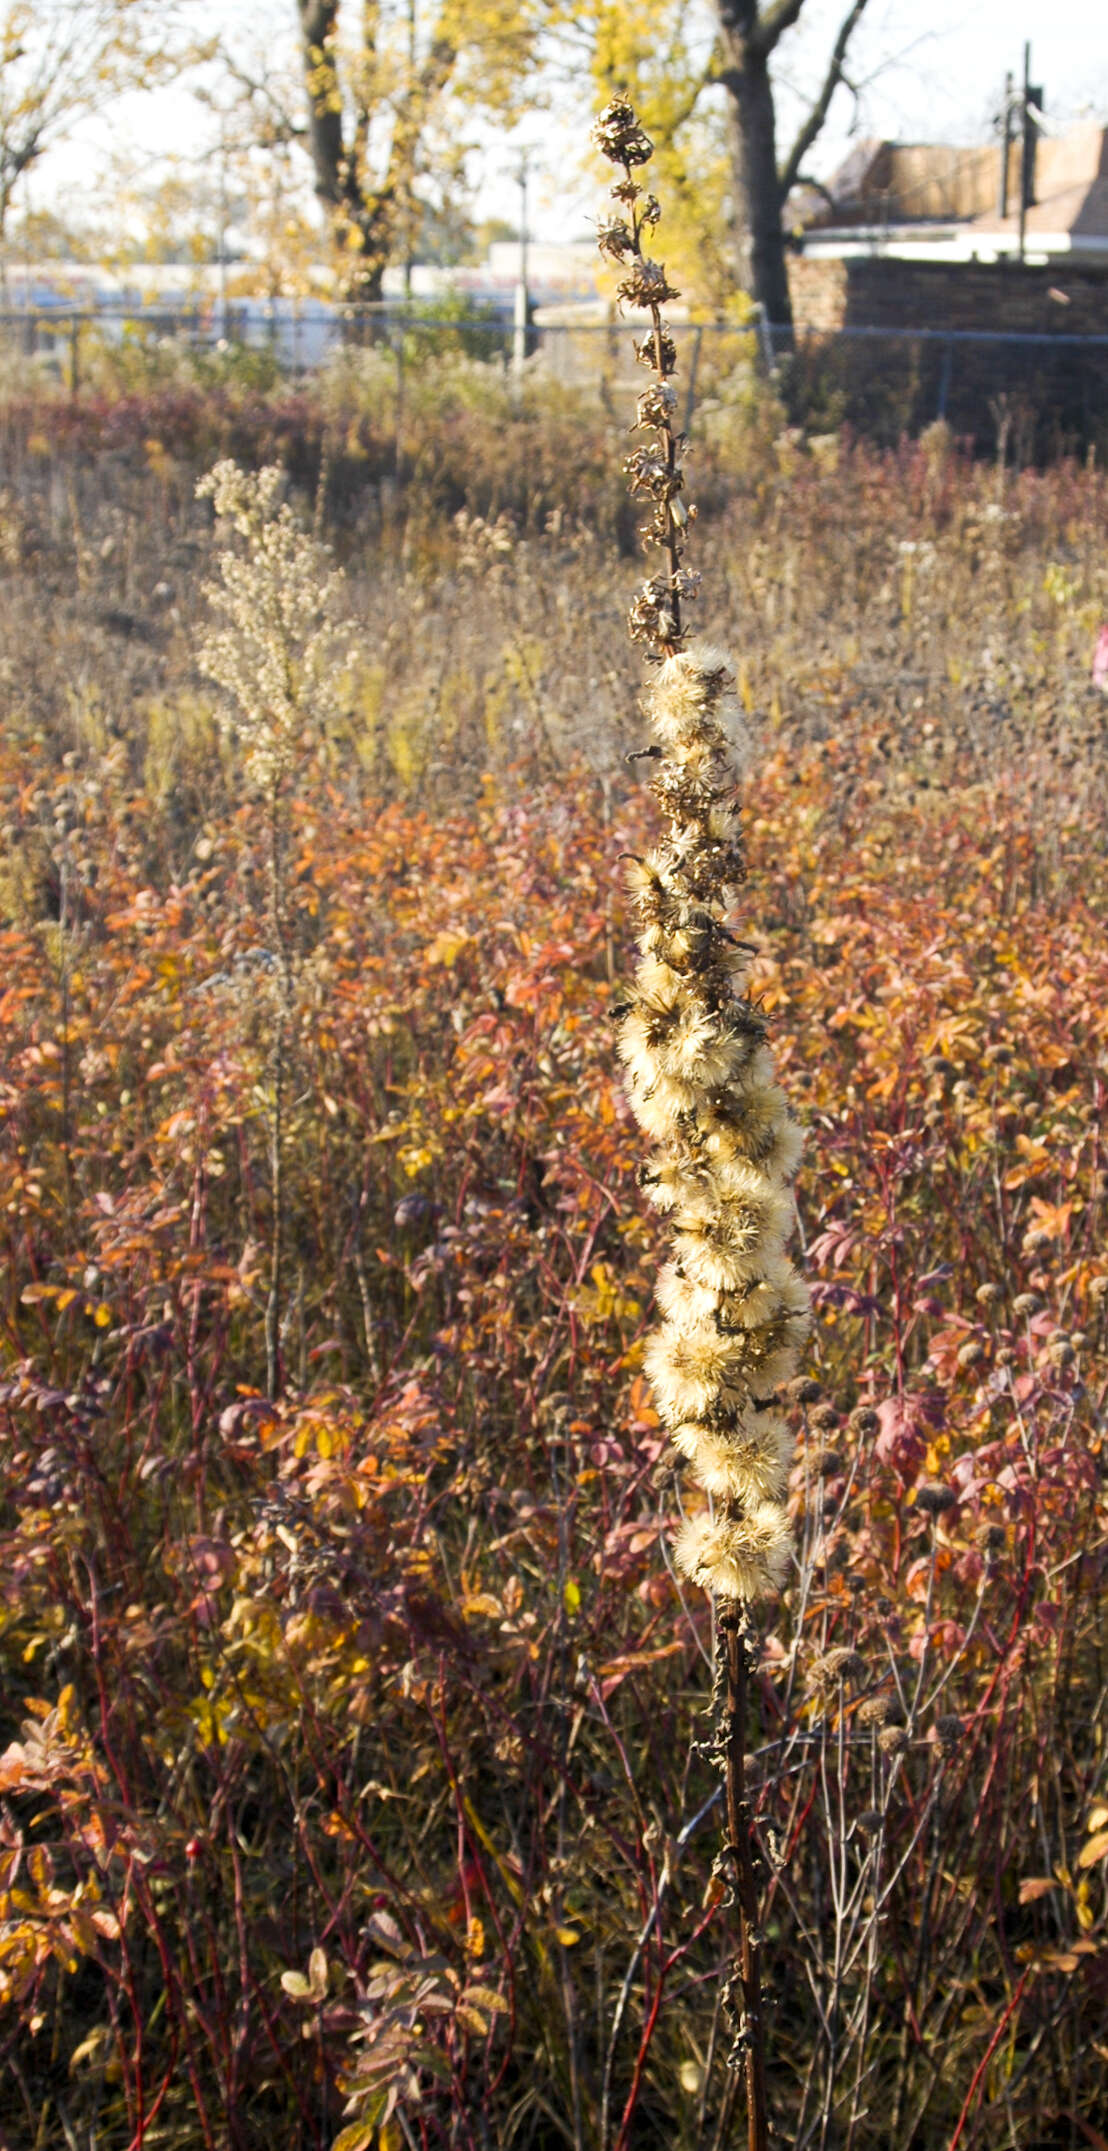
615	239
875	1710
869	1821
1098	1291
864	1422
949	1732
971	1353
823	1417
993	1537
988	1294
1037	1241
1026	1304
840	1664
1060	1352
647	352
827	1463
619	137
892	1740
804	1391
646	284
935	1500
1006	1357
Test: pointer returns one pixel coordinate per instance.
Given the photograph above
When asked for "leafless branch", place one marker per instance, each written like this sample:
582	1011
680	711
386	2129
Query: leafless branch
817	115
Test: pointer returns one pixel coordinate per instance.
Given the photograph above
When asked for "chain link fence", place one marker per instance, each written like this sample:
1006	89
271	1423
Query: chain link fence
1036	395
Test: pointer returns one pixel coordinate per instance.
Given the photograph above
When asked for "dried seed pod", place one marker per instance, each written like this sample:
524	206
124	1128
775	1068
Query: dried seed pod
827	1463
949	1731
840	1664
619	137
823	1417
892	1740
936	1500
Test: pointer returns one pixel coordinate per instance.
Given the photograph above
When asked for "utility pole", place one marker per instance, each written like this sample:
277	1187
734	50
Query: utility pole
519	325
223	214
1006	112
1031	110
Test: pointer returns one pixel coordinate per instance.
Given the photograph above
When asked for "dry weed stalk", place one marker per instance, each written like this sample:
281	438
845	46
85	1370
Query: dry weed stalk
275	652
701	1084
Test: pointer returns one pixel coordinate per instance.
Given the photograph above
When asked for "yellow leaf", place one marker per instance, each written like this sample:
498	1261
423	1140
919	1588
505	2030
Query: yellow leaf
103	1315
567	1936
355	2138
487	1998
572	1595
446	949
1094	1850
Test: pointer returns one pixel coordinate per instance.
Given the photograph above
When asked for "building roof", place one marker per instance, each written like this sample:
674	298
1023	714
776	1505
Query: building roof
941	202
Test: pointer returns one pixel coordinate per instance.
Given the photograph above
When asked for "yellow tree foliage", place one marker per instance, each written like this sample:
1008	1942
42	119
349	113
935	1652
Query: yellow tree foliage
378	102
660	59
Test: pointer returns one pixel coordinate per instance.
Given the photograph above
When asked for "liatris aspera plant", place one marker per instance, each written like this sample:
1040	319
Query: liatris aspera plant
701	1084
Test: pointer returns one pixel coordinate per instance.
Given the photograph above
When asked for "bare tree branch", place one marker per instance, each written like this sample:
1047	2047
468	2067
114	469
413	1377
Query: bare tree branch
770	28
818	113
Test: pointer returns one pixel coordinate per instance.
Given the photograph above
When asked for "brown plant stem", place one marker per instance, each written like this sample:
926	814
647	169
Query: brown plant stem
731	1631
279	945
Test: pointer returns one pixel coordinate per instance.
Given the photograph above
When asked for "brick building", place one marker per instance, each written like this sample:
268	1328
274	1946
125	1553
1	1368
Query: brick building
925	242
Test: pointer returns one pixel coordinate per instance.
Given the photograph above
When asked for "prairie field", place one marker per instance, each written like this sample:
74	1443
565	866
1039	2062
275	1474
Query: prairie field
354	1781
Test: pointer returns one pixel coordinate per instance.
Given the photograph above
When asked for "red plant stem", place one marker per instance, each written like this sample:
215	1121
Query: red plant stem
985	2060
732	1640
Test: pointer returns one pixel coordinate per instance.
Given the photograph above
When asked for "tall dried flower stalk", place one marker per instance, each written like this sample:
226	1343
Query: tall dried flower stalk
275	648
701	1084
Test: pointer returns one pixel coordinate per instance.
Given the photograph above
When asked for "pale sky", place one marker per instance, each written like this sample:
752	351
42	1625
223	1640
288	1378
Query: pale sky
922	74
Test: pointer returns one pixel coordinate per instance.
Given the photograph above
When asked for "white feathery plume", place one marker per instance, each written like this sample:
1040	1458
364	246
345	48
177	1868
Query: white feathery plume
701	1083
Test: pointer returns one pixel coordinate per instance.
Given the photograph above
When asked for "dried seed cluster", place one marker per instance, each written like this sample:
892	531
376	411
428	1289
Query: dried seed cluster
700	1077
654	470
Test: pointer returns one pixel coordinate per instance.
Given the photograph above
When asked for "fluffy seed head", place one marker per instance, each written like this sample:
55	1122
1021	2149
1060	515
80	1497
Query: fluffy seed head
736	1556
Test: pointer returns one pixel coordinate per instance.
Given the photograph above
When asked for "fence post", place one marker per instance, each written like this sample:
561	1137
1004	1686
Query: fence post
399	460
765	337
946	373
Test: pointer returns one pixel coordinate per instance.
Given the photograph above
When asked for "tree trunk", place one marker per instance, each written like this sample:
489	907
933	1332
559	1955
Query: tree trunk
757	192
362	219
